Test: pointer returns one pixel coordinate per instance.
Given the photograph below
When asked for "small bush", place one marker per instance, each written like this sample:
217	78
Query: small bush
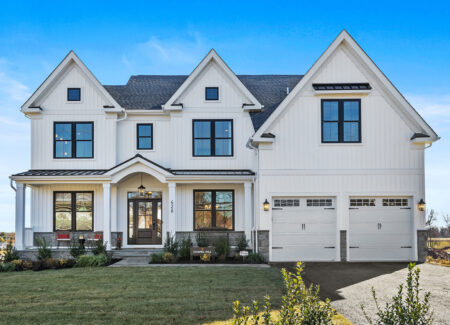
99	247
50	263
18	264
222	247
254	258
66	263
92	261
171	245
184	250
404	310
162	258
10	253
157	258
168	257
242	243
7	267
76	249
27	265
201	239
43	251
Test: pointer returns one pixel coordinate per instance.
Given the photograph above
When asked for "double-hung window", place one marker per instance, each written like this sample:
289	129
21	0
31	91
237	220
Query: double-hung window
73	140
212	138
145	136
214	210
73	211
341	120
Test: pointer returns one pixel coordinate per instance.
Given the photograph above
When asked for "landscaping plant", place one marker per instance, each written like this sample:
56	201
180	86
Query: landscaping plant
162	258
254	258
405	309
10	253
171	245
222	247
43	251
201	239
184	250
242	243
76	248
99	247
92	261
301	305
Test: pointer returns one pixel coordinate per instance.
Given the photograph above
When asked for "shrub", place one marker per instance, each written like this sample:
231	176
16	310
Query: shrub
76	249
184	250
92	261
242	243
18	264
162	258
66	263
43	250
7	267
157	258
254	258
171	245
10	253
300	305
27	265
201	239
222	247
50	263
168	257
99	247
404	310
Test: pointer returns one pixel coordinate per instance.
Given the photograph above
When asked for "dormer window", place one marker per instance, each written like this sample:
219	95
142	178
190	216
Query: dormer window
73	94
212	93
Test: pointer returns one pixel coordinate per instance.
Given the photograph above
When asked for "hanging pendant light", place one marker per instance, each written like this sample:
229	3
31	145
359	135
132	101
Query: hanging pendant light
141	189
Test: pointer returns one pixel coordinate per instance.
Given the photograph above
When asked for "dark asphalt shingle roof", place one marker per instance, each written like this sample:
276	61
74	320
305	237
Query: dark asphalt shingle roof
149	92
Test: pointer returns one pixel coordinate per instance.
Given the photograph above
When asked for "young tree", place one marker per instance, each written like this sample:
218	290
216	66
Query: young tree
430	220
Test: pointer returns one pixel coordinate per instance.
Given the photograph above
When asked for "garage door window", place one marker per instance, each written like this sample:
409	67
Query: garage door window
278	203
319	202
362	202
395	202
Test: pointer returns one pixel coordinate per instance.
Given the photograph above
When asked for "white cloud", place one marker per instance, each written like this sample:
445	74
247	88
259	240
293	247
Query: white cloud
13	89
435	109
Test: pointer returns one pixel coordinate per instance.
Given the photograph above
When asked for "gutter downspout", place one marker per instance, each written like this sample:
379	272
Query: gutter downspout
12	186
256	200
123	118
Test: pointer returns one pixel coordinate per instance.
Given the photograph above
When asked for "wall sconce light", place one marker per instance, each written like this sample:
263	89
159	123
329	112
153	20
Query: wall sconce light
421	205
266	205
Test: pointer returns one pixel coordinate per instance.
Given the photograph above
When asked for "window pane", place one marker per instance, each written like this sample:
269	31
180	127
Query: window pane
63	149
203	219
351	111
330	111
223	129
330	131
73	94
83	211
145	143
212	93
202	147
223	147
224	219
84	131
63	211
145	130
202	129
63	131
351	131
84	221
203	200
224	197
84	149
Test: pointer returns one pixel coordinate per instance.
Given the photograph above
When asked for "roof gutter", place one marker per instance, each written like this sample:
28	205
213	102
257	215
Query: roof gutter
125	115
12	186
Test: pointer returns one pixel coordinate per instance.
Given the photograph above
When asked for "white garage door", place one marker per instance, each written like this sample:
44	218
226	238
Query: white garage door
303	229
380	229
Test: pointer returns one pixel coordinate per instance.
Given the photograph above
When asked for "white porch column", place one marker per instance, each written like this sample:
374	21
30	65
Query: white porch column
171	228
107	215
248	210
20	216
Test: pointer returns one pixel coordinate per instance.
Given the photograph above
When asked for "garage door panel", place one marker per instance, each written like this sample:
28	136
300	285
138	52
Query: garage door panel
376	254
379	240
367	228
303	253
304	239
328	228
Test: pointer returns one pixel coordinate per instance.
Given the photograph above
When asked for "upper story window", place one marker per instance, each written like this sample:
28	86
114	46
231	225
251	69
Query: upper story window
212	93
212	138
73	211
144	136
341	120
73	94
73	140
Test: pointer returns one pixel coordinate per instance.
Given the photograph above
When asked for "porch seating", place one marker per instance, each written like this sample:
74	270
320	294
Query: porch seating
63	237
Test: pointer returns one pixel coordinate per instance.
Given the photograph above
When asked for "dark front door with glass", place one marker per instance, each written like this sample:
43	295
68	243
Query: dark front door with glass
144	221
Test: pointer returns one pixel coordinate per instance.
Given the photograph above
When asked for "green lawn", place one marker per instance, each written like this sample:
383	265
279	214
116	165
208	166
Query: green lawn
157	295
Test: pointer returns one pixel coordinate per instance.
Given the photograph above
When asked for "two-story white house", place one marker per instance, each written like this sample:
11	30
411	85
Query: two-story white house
325	166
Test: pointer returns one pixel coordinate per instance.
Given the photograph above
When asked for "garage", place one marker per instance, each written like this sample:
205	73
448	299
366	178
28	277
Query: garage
380	229
303	229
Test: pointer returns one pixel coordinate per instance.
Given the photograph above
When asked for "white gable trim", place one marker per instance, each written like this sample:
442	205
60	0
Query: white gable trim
29	106
211	56
408	111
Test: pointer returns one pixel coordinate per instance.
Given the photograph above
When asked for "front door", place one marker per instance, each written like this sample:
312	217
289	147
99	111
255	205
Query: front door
144	222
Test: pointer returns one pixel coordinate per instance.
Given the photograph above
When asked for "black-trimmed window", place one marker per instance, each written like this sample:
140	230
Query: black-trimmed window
212	93
144	136
73	211
213	210
73	94
212	138
341	120
73	140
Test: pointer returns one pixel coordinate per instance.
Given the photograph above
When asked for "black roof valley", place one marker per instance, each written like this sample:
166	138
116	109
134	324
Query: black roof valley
149	92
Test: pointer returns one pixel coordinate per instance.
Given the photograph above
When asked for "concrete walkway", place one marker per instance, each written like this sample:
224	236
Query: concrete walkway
143	262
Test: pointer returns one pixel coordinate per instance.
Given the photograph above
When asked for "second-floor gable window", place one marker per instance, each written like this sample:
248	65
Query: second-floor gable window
212	93
212	138
73	140
341	121
73	94
144	136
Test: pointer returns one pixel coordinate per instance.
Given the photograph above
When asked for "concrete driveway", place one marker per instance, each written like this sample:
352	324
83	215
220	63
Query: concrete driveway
349	284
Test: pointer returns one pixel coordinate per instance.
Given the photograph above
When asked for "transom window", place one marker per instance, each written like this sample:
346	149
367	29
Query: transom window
73	140
144	136
73	211
212	138
286	203
319	202
395	202
362	202
212	93
341	120
214	210
73	94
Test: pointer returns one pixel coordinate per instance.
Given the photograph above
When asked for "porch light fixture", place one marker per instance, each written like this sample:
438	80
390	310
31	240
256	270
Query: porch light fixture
266	205
421	205
141	189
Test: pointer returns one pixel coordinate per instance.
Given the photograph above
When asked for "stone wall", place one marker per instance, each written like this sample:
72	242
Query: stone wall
263	244
50	238
422	245
212	236
343	245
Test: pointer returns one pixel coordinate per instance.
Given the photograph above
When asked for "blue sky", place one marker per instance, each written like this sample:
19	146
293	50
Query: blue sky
409	41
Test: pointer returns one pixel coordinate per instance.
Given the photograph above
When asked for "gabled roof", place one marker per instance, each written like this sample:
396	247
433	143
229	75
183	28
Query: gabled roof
71	57
409	114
